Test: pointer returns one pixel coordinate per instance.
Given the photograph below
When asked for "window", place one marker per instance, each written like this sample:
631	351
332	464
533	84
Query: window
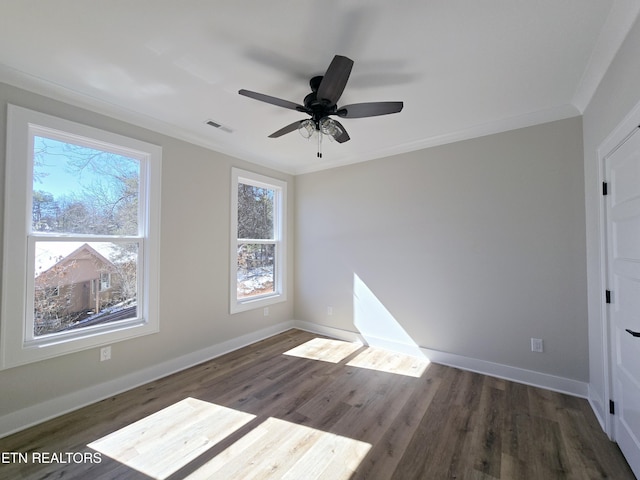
90	238
53	292
105	281
257	240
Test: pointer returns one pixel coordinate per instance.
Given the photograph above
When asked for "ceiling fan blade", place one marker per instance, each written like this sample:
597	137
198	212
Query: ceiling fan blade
272	100
335	79
341	134
288	129
371	109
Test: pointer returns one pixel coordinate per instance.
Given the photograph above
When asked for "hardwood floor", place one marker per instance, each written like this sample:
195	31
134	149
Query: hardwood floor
298	406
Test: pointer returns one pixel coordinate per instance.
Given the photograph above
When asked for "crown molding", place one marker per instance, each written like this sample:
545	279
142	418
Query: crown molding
621	18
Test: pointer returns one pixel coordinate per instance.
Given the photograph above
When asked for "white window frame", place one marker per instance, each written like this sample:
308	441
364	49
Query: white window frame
17	345
279	225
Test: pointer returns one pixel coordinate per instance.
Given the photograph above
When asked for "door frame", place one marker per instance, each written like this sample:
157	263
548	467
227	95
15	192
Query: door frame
625	129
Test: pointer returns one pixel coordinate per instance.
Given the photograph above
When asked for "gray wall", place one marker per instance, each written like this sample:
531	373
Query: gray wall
470	248
194	266
616	96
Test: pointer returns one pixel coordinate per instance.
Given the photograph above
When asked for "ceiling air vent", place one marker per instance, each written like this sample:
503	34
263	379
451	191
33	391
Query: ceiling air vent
217	125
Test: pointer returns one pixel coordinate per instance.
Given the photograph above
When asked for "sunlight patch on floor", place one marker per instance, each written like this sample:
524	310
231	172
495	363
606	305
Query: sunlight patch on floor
389	362
324	349
372	358
165	441
284	450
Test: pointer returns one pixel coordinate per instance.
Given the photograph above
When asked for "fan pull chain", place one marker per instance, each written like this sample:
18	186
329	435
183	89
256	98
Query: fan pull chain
319	143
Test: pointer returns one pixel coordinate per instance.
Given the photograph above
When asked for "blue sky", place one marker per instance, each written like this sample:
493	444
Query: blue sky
53	172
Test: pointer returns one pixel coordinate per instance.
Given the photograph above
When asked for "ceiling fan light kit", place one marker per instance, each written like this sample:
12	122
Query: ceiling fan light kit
322	102
307	128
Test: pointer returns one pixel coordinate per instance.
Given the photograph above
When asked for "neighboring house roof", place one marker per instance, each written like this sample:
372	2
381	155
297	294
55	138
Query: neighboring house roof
82	253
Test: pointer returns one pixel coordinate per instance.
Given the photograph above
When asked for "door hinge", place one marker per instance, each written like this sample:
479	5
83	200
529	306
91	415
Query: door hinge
607	296
605	188
612	407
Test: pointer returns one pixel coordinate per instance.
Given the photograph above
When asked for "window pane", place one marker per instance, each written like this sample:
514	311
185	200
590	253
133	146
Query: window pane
78	189
255	269
255	212
83	284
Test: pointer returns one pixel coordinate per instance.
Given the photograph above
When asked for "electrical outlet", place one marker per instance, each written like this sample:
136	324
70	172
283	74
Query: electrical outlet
105	353
329	311
266	311
537	345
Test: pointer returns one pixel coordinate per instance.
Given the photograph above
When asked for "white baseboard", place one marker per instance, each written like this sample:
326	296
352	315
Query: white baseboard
337	333
54	407
507	372
515	374
32	415
597	405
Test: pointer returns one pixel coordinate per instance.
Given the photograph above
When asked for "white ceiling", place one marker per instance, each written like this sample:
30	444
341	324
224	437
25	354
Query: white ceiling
462	67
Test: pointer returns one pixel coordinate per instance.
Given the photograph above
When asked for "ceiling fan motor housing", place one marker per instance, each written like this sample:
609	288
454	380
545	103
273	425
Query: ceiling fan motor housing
318	109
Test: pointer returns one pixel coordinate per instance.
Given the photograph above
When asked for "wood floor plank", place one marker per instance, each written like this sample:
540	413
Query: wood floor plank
387	452
488	432
432	446
285	408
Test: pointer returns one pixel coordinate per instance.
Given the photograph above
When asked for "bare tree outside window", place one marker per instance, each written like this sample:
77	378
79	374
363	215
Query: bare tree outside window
83	191
256	245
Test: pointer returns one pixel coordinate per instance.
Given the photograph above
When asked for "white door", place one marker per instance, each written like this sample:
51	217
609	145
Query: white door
623	268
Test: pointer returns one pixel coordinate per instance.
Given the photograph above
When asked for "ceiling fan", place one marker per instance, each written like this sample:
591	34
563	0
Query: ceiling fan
321	103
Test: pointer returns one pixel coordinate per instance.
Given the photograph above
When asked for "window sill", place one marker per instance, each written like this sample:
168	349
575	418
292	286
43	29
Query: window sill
254	303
